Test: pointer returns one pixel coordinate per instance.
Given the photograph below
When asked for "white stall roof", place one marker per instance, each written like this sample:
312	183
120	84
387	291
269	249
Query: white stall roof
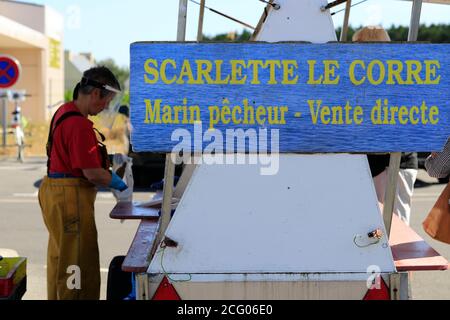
297	21
317	206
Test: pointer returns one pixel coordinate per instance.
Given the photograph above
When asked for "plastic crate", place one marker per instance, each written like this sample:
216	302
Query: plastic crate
18	292
13	273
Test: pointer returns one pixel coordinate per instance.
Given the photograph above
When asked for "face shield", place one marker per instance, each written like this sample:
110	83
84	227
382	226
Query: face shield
109	114
107	117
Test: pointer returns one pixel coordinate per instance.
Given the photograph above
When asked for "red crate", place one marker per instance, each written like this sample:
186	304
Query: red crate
12	274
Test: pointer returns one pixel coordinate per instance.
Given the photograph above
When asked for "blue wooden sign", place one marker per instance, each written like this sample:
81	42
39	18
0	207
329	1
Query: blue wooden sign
290	97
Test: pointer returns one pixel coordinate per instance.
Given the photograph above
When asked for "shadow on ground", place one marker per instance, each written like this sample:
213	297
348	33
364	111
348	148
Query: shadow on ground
423	184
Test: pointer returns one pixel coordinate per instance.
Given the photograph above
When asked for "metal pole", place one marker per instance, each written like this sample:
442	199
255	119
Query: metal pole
332	4
394	165
200	21
391	190
346	18
182	17
142	292
4	121
166	209
169	173
415	20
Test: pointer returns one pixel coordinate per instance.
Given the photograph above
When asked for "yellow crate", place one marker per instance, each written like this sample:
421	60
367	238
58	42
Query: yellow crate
12	271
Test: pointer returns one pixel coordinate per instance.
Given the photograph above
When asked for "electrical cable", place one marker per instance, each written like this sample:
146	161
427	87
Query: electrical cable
353	5
225	15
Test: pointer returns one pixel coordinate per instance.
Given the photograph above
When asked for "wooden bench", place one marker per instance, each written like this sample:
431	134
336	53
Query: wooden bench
138	256
411	252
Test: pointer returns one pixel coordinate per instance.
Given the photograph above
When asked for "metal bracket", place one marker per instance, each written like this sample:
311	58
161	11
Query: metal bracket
331	5
142	290
399	286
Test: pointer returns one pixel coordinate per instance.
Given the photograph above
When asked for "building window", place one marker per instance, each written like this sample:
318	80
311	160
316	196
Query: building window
55	53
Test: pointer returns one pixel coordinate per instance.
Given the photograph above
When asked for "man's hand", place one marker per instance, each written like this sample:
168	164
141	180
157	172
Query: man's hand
117	183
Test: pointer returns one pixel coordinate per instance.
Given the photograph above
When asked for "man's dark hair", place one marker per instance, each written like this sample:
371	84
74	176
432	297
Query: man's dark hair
101	75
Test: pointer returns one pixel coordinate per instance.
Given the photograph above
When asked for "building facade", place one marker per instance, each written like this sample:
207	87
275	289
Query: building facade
34	34
75	64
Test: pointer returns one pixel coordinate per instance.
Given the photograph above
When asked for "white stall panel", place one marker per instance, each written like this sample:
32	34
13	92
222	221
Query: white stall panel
298	21
306	218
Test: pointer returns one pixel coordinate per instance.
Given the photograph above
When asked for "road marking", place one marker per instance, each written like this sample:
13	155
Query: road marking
26	195
104	196
102	270
24	168
17	201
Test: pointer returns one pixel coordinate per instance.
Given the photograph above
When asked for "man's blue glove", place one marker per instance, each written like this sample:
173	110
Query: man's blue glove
117	183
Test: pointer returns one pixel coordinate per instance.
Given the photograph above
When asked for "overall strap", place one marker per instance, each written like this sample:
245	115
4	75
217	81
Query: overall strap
53	127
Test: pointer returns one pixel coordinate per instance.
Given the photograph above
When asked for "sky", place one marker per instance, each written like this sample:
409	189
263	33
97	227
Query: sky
107	27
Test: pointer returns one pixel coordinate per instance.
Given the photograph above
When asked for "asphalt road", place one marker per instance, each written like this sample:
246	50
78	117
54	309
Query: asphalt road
22	228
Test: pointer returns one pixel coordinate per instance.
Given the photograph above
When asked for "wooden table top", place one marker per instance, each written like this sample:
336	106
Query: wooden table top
129	211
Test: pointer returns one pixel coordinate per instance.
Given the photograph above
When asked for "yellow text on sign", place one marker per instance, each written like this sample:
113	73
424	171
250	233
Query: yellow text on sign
391	72
241	72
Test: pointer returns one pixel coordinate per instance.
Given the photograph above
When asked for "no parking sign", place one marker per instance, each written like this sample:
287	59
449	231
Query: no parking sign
9	71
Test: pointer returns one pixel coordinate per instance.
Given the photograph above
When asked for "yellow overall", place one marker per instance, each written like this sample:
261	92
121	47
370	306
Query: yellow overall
73	267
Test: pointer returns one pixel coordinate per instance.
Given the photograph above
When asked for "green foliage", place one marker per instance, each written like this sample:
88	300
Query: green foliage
126	98
68	95
434	33
229	37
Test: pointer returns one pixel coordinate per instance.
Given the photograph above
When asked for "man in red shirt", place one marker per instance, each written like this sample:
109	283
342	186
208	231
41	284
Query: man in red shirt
76	166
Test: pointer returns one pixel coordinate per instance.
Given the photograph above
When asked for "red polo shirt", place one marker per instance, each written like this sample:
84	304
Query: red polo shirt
75	146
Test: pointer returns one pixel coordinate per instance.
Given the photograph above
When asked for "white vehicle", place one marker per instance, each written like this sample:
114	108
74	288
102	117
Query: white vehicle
287	236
